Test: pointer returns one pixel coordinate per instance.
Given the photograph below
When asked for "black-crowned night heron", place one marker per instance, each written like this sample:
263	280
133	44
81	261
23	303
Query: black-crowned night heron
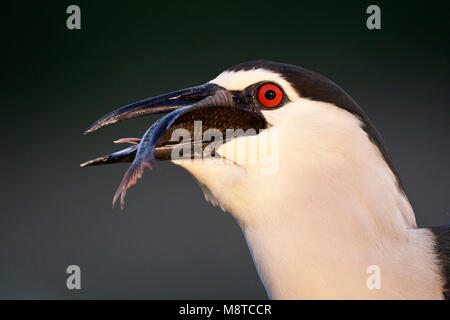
315	193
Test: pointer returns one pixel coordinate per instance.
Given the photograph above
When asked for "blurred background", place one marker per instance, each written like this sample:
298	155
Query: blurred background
169	243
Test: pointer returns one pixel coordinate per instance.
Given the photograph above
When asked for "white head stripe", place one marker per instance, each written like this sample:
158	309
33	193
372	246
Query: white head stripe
239	80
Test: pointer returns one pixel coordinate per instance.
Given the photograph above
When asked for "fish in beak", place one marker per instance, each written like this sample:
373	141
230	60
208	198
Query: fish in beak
216	108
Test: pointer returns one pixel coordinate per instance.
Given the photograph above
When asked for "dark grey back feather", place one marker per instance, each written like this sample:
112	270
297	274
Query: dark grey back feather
442	246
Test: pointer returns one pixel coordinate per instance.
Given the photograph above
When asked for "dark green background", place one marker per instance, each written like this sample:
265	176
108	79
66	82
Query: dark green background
168	242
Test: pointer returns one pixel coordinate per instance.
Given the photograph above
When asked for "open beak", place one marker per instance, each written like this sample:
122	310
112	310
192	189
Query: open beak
213	105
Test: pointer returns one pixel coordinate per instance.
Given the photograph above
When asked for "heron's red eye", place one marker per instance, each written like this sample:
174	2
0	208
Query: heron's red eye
270	95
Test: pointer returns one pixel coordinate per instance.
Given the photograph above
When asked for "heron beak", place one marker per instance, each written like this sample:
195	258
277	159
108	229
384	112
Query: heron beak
160	104
216	108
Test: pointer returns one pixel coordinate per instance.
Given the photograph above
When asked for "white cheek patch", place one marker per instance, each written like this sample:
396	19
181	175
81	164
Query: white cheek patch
239	80
258	152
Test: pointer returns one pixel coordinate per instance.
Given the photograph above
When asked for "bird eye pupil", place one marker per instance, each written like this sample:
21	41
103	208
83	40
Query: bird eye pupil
270	94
